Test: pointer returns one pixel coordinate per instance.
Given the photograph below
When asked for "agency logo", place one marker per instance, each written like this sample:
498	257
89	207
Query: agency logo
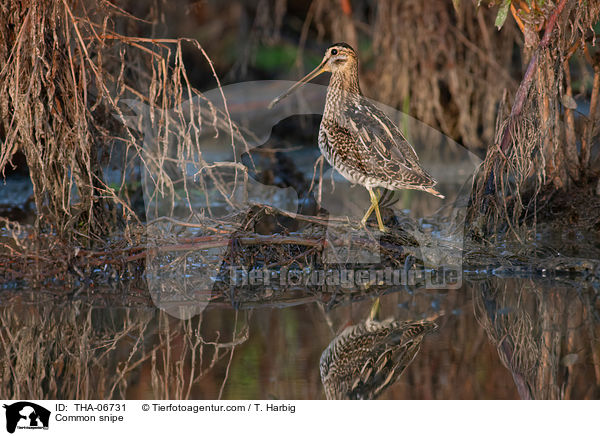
24	415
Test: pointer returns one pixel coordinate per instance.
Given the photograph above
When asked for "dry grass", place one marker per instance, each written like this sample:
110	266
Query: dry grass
66	73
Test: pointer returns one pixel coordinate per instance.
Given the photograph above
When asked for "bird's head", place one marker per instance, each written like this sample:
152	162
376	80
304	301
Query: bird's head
338	58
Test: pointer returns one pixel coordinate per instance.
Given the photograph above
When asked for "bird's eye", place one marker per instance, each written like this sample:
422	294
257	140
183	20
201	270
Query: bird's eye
334	51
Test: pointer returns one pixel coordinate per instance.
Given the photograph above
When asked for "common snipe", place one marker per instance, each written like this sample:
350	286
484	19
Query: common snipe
363	360
358	139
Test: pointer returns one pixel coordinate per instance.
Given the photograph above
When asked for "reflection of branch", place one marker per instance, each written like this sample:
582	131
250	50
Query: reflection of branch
230	358
540	333
127	366
506	348
593	339
501	333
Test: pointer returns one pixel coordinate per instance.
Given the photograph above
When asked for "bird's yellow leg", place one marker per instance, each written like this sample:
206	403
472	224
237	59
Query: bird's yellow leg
370	210
374	314
367	215
374	206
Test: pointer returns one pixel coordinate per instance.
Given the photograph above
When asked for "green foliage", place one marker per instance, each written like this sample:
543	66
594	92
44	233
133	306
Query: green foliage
269	58
502	14
282	57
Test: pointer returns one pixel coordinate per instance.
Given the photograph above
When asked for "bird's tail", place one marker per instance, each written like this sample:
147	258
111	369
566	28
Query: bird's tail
433	191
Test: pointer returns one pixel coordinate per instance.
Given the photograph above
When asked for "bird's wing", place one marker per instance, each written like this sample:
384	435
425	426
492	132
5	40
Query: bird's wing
390	351
384	142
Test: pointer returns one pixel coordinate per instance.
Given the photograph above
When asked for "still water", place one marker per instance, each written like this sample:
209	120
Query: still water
497	338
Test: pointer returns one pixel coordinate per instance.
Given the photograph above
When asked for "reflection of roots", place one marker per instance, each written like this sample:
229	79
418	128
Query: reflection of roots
510	328
84	352
540	334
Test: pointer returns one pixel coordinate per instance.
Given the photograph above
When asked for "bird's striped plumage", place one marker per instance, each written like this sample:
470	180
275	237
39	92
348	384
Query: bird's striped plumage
361	142
363	360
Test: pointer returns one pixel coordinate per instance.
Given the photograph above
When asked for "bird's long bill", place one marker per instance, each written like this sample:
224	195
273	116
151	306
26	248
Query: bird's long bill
314	73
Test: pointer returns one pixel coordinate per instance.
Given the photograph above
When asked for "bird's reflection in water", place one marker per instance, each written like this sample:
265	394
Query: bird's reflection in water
366	358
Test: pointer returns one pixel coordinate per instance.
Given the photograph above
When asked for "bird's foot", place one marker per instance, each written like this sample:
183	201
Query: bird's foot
363	225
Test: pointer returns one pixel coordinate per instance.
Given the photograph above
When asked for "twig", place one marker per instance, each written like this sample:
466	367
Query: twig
570	145
584	156
513	11
230	359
